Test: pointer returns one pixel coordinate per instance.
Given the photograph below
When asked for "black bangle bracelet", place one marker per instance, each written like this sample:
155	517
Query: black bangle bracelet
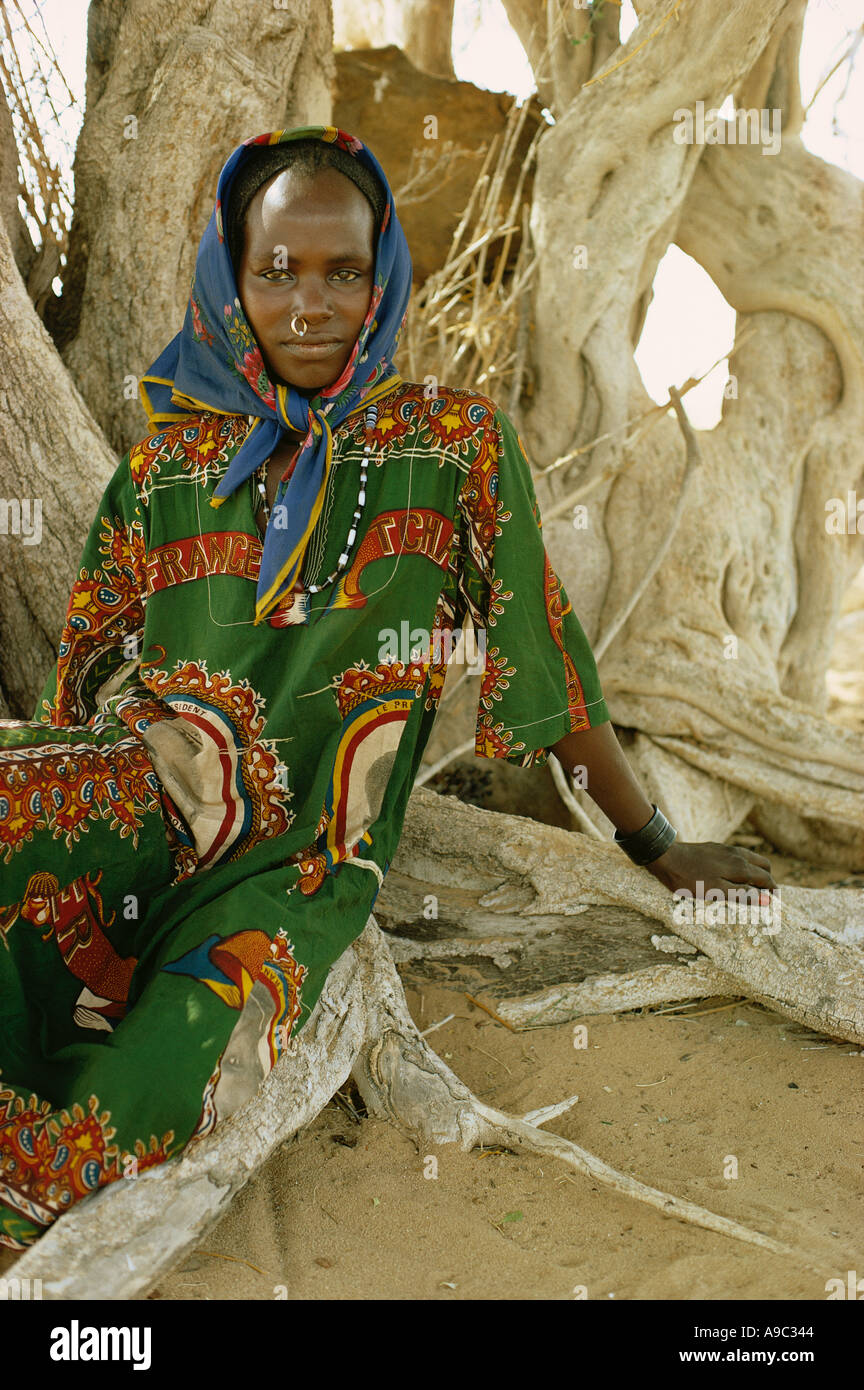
645	845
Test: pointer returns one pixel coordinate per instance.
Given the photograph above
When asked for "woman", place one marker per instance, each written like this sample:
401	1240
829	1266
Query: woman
199	820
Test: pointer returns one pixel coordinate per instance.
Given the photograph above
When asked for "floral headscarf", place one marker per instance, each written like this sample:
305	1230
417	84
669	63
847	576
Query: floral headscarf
215	363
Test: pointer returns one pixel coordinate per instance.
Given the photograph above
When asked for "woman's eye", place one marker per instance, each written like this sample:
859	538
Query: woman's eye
273	271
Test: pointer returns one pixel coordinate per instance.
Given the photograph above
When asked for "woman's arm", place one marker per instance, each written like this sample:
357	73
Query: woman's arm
611	783
608	778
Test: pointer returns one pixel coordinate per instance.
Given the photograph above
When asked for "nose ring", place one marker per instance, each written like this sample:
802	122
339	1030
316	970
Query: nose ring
299	325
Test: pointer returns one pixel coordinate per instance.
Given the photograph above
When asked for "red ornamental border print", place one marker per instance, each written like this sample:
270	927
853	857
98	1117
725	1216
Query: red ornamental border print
105	611
61	786
447	421
555	614
480	503
48	1161
199	449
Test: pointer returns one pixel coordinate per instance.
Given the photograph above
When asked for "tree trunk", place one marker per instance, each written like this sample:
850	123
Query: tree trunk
731	678
23	249
170	92
54	465
423	29
427	27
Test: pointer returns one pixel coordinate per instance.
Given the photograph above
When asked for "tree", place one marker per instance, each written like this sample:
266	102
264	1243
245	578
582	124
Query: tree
713	660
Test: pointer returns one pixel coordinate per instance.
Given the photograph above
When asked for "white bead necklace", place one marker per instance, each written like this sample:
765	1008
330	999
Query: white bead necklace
260	479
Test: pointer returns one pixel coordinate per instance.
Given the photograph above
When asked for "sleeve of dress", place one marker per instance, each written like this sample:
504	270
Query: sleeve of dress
105	614
540	679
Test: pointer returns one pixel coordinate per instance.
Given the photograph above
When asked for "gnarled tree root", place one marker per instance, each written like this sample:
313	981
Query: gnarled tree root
121	1241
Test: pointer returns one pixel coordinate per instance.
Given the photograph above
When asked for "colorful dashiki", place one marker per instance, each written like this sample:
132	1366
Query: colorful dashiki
199	822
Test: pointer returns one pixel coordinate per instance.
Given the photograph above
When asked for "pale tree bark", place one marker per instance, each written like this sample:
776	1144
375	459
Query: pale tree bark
564	44
773	79
779	234
22	243
427	30
517	878
54	465
171	91
421	28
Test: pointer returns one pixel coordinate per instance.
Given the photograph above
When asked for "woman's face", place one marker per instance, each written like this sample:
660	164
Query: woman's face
308	250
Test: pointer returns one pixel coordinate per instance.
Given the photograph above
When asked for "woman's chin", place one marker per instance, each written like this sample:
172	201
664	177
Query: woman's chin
308	382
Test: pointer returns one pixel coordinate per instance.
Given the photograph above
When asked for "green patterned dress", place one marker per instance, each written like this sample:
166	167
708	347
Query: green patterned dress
198	821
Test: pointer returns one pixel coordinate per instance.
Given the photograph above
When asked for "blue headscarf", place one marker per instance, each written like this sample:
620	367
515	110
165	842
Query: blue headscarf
215	363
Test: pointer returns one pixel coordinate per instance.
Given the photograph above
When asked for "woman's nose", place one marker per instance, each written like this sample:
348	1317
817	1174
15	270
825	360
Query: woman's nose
311	298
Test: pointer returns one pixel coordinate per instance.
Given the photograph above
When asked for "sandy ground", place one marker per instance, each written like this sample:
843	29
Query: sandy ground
679	1099
347	1211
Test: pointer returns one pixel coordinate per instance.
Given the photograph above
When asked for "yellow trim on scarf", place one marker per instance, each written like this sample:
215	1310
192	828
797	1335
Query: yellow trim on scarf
180	398
177	398
288	573
152	417
292	565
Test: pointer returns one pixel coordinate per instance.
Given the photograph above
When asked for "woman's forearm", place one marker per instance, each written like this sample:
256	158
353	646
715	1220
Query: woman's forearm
598	760
601	767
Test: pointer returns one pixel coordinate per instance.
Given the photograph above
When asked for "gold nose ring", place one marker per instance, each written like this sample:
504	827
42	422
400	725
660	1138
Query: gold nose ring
299	325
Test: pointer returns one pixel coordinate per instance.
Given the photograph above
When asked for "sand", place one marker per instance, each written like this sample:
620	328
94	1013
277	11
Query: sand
346	1210
680	1100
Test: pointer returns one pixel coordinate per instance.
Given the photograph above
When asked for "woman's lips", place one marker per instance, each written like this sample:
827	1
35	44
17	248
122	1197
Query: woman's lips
313	350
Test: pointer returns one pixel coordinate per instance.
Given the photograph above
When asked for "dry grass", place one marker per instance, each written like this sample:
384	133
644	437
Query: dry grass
467	324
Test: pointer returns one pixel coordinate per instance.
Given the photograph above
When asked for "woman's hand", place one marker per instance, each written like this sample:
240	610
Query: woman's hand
713	866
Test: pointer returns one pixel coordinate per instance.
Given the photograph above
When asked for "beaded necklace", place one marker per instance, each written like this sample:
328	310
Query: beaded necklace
302	593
